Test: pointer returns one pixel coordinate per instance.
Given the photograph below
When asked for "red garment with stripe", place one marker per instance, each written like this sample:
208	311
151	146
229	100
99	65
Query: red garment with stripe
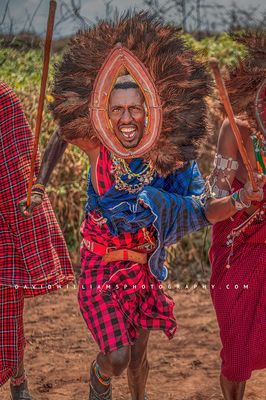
12	340
119	298
239	294
33	252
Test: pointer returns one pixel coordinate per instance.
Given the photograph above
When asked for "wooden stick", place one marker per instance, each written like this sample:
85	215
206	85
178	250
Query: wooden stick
213	62
47	48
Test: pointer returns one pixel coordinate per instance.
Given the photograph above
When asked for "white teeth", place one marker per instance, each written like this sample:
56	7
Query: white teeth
128	133
127	130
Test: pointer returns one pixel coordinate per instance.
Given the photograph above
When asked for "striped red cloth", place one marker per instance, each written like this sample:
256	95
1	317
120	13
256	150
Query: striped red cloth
239	294
104	165
12	341
118	298
33	253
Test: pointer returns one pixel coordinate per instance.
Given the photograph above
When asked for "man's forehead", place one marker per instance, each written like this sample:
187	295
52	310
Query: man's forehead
129	95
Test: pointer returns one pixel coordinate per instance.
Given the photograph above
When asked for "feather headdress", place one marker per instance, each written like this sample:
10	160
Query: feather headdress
181	83
246	83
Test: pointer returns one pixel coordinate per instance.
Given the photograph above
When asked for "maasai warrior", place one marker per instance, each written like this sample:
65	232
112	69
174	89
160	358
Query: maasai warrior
238	250
131	95
33	255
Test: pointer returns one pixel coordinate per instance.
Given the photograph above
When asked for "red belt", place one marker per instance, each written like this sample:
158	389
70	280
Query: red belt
113	254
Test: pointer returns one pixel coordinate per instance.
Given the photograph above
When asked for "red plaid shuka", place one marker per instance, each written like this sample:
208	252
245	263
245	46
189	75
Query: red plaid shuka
241	306
119	298
12	341
33	253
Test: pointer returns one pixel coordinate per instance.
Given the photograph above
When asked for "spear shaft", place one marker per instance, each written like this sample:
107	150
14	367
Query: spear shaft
213	62
47	49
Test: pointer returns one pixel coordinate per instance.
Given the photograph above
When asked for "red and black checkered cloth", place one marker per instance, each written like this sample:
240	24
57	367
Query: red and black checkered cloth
239	294
119	298
33	253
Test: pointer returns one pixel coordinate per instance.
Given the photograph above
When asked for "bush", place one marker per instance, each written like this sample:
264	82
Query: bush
221	46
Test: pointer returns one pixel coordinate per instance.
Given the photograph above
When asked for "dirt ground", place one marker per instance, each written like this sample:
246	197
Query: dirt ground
60	350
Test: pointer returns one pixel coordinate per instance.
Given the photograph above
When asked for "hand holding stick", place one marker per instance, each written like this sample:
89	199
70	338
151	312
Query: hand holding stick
213	62
47	48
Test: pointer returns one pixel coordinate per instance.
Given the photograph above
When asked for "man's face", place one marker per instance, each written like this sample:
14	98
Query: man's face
127	115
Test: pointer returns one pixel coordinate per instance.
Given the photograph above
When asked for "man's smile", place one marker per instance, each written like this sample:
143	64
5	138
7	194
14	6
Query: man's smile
128	132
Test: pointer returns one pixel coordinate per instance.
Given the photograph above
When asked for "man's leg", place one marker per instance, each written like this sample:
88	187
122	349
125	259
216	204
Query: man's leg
109	365
20	372
113	364
18	383
11	332
232	390
138	368
12	342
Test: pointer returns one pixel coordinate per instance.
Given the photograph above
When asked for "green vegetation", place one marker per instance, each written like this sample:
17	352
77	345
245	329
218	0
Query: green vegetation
222	46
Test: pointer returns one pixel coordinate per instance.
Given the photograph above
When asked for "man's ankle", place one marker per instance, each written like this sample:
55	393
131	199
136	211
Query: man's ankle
98	382
18	379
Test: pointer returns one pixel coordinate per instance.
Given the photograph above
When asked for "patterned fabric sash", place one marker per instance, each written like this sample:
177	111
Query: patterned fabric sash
260	154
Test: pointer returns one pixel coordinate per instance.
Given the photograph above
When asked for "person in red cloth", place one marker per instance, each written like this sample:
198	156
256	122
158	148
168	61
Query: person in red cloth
132	96
238	248
34	258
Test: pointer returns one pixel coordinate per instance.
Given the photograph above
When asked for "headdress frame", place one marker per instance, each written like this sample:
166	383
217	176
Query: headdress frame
122	58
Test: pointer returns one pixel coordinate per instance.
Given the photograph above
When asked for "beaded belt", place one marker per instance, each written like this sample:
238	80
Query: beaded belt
110	254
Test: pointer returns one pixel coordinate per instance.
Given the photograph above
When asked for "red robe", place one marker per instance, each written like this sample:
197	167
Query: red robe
239	293
32	251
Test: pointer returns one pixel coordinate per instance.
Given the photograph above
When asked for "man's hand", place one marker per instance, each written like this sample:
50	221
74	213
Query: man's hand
35	201
247	192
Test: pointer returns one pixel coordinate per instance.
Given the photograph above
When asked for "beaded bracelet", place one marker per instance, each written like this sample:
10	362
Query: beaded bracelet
103	381
38	188
247	205
237	202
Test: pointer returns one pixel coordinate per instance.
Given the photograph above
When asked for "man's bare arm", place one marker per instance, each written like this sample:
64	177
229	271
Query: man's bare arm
219	209
53	152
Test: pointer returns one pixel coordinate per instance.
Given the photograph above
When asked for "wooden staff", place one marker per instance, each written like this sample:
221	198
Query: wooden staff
47	48
213	62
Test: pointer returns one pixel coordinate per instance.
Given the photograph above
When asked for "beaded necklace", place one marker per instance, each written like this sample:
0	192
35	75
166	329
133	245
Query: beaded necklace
259	143
120	168
258	215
